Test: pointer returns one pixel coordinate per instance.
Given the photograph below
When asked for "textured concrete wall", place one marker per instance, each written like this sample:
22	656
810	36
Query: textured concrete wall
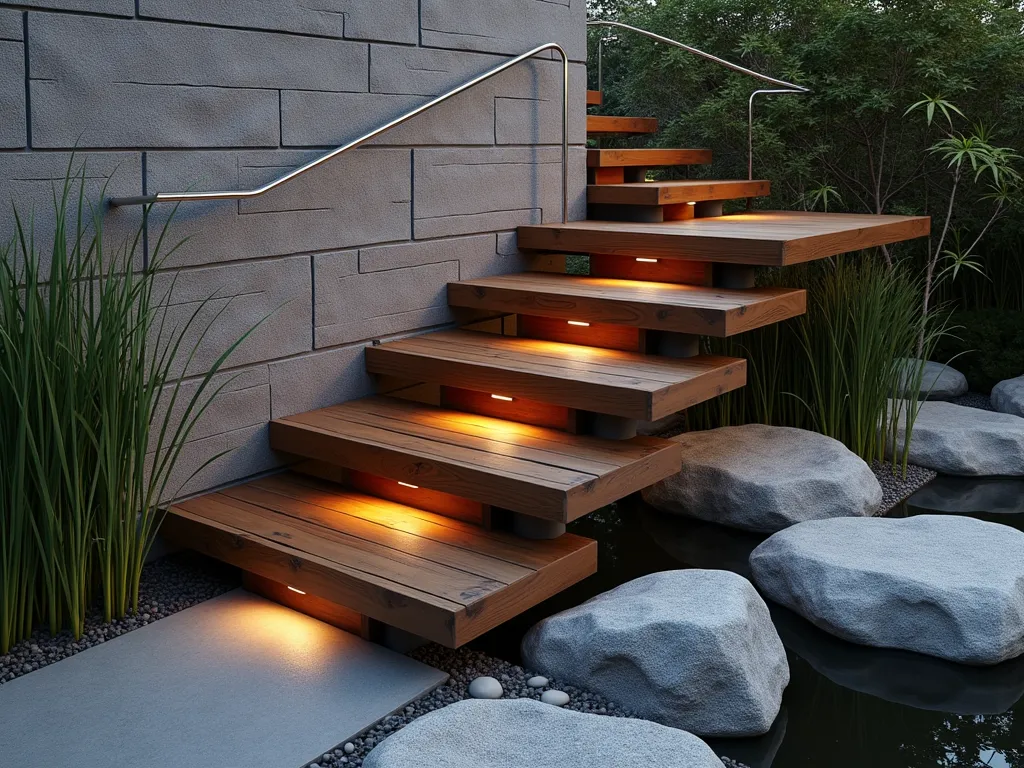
165	95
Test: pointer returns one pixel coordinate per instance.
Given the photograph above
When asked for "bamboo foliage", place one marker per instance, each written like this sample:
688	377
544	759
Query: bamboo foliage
92	419
835	369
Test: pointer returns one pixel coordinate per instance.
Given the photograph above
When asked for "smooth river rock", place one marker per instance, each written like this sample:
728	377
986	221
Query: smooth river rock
521	732
957	440
485	688
938	381
691	649
765	479
942	585
1008	396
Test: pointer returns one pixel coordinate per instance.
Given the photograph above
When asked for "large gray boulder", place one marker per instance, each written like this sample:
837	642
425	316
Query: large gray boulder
938	381
943	585
690	649
764	479
1008	396
957	440
520	732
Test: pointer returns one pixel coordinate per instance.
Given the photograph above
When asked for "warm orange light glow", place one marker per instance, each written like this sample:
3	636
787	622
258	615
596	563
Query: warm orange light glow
646	261
691	203
296	591
580	323
408	485
504	398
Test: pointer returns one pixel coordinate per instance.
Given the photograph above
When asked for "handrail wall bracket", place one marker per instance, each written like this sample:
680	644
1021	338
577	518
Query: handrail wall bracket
784	87
184	197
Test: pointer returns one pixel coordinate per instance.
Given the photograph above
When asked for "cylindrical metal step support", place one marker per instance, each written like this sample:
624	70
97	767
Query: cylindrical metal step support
735	276
529	527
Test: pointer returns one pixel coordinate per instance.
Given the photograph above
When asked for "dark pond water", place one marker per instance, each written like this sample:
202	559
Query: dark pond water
847	706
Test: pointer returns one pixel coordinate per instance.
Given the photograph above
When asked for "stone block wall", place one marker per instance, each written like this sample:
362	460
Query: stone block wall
171	95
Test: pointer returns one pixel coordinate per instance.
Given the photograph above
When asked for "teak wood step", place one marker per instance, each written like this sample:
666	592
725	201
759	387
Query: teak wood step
594	98
690	309
536	471
768	238
442	579
609	124
675	192
606	381
646	158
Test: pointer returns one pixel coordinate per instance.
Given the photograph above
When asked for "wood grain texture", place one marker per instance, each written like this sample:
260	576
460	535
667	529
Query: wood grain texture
646	158
606	125
533	470
599	380
674	192
607	176
656	306
427	574
594	98
768	238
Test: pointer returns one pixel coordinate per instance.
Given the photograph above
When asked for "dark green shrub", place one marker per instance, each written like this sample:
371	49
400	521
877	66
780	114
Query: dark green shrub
987	344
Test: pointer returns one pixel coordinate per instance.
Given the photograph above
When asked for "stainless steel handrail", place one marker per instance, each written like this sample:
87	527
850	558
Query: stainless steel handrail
183	197
784	86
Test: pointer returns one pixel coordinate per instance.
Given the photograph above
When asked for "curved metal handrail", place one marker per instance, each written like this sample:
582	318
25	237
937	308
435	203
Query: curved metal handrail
182	197
784	86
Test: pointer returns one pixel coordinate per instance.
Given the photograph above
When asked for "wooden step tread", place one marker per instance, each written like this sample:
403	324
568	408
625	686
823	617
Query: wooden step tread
769	238
655	306
594	98
646	158
536	471
428	574
601	380
610	124
675	192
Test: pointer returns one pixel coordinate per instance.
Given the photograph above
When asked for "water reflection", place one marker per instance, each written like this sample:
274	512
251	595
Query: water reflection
968	496
902	677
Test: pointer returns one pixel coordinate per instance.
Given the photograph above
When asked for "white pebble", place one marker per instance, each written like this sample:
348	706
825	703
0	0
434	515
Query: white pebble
349	748
537	682
558	698
485	688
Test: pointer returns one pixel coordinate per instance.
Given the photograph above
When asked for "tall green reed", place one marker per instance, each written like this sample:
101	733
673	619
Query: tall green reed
92	417
834	370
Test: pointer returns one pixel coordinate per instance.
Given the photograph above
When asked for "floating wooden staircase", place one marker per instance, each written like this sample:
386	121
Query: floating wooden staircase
439	509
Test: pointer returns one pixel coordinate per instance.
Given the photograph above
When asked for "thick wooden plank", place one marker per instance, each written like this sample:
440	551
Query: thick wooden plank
600	380
769	238
369	594
646	158
594	98
610	125
656	306
674	192
295	532
607	176
446	504
533	470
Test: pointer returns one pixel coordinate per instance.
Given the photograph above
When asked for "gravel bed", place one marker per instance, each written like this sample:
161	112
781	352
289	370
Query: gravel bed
170	584
463	666
974	400
896	489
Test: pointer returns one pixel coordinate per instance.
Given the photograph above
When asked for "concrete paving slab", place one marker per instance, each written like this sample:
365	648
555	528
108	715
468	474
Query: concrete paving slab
236	682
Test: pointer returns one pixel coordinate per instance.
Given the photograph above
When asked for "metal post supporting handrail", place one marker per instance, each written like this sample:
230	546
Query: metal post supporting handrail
183	197
784	86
